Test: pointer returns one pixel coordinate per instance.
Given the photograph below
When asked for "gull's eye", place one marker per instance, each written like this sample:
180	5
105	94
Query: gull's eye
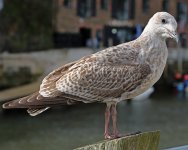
164	21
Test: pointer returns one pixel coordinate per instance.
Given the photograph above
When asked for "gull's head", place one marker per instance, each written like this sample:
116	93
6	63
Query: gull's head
163	25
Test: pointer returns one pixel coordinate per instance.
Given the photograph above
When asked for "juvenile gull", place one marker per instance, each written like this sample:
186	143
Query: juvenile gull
109	76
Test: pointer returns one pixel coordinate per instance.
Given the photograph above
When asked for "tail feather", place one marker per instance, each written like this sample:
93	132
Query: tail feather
37	111
36	103
34	100
22	102
6	105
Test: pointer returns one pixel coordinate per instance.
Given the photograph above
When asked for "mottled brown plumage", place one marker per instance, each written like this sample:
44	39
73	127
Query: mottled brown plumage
111	75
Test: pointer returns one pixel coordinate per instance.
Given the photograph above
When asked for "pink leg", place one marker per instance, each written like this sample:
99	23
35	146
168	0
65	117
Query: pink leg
107	120
114	121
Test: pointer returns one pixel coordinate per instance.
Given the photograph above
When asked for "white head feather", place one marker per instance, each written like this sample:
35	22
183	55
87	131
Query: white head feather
162	24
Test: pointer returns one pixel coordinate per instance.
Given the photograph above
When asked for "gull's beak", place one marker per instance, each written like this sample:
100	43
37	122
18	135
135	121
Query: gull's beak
174	36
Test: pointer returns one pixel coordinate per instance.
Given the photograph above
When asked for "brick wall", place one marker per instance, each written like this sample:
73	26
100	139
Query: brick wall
68	21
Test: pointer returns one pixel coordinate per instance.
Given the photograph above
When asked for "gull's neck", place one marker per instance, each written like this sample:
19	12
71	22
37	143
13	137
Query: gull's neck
151	40
154	49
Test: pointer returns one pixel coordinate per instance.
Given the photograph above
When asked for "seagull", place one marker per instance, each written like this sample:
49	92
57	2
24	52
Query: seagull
109	76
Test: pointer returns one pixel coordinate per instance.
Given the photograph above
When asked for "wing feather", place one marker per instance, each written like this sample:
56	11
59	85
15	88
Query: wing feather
102	81
48	86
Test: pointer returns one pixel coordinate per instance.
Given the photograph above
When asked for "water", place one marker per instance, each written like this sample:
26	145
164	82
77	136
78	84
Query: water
65	128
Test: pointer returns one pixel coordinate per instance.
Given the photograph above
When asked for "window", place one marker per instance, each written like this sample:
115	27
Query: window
104	4
165	5
67	3
123	9
1	4
145	6
182	18
86	8
182	11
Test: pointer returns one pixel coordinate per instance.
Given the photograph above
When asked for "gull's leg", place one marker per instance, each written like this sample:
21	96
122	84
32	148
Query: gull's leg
116	133
107	120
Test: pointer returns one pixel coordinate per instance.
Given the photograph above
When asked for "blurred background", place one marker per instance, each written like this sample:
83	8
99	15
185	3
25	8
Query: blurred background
39	36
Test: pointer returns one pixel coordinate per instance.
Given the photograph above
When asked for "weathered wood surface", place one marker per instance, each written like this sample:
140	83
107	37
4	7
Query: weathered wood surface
142	141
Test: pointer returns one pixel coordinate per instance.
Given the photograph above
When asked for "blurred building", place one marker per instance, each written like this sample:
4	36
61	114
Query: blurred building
110	22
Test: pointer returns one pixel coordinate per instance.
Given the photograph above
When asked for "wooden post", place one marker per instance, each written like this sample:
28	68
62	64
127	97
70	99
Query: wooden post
142	141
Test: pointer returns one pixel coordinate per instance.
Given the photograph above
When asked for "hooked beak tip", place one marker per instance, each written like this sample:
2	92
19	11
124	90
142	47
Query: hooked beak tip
175	37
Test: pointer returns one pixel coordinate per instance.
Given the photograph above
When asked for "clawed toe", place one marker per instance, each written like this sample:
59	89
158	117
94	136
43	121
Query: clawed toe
107	136
112	136
118	135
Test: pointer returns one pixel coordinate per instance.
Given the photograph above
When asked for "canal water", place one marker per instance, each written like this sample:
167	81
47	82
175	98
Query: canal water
68	127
